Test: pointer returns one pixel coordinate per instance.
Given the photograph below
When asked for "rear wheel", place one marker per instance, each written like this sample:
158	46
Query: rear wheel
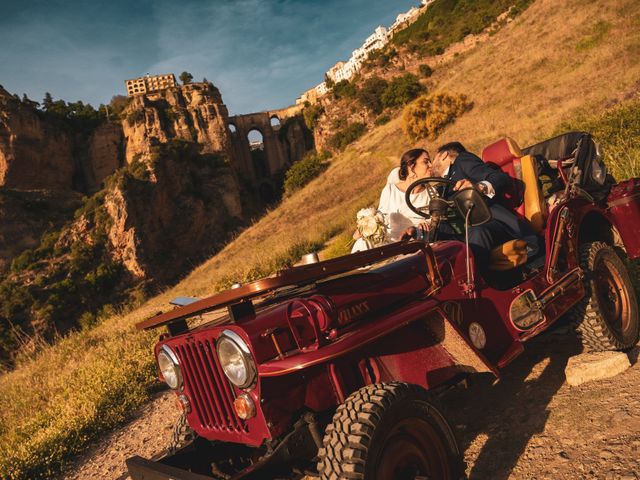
607	317
389	432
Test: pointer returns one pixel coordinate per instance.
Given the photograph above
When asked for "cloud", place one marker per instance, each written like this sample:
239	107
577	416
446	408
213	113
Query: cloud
261	53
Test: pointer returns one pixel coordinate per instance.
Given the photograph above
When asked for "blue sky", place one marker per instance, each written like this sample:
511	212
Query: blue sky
261	53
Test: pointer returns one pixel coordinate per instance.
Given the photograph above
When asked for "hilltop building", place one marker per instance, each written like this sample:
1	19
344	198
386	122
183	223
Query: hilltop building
150	83
377	40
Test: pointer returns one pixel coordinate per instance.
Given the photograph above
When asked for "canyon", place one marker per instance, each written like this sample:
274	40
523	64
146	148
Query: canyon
99	215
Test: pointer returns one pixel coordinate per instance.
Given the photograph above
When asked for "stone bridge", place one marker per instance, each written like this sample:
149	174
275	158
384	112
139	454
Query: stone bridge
265	144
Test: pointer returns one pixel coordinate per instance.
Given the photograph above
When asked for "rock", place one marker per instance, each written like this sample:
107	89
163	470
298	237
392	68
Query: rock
35	153
595	366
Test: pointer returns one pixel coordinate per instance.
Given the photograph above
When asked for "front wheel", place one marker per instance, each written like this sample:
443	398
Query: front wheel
607	317
389	431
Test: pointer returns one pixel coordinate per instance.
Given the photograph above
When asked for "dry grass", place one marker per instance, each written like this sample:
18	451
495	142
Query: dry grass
524	82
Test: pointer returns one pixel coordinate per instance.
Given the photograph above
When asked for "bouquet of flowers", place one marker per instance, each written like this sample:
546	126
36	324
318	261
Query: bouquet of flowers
370	224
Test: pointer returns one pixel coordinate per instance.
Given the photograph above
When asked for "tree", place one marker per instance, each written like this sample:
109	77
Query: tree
401	90
328	81
370	95
185	77
344	89
47	102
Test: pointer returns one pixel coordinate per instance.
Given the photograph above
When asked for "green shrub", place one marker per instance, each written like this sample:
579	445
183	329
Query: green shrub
401	90
425	70
349	134
598	33
370	94
312	114
381	120
429	114
448	21
344	89
303	171
135	116
617	130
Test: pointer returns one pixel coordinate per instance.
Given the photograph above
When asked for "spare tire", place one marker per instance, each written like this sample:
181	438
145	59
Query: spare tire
607	317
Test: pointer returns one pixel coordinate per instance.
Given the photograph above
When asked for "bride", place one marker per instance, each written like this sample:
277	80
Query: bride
399	219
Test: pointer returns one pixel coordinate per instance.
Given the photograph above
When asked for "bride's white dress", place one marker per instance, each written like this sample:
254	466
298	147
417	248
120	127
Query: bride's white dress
398	217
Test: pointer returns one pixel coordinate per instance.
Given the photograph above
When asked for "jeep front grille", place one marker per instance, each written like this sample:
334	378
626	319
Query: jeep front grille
207	386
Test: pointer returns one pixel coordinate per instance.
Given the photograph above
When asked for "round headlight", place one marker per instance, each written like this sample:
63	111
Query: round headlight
235	359
169	367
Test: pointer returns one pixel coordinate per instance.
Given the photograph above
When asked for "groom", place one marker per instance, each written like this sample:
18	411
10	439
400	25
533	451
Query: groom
455	163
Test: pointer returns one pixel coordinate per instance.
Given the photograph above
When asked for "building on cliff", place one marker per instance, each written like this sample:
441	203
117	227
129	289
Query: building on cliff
377	40
150	83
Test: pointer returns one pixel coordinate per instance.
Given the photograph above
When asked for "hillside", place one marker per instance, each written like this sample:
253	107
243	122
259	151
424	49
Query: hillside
554	63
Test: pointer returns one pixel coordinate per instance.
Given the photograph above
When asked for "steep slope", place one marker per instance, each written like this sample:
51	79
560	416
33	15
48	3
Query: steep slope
544	68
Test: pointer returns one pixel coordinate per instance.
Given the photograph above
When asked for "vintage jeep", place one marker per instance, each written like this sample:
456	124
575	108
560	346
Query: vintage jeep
332	369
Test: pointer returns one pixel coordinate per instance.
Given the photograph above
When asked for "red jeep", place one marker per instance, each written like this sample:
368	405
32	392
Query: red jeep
333	368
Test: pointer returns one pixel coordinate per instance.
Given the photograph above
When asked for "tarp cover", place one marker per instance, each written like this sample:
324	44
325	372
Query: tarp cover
581	147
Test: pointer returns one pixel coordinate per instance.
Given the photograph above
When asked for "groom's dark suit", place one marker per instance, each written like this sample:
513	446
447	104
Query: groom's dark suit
505	225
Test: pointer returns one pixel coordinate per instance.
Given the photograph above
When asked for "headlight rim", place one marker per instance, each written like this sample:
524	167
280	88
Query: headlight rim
250	365
176	365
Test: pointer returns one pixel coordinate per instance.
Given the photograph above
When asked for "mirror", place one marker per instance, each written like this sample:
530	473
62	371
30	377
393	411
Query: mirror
525	311
470	198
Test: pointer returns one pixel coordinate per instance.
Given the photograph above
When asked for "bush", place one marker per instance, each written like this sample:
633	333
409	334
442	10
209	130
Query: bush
344	89
135	116
401	90
347	135
381	120
370	94
449	21
425	70
303	171
429	114
617	130
312	115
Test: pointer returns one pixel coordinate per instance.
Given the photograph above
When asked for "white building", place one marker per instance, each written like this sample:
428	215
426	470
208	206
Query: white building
345	71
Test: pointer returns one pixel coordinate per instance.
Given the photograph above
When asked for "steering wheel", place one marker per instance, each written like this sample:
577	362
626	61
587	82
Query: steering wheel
469	202
440	205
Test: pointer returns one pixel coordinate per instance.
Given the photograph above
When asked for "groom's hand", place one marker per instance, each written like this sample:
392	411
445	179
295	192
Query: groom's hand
460	184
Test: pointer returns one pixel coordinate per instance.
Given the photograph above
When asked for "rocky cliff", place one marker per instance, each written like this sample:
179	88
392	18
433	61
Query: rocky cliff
167	196
194	113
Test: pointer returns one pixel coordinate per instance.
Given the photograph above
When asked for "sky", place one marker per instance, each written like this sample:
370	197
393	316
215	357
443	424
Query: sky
261	54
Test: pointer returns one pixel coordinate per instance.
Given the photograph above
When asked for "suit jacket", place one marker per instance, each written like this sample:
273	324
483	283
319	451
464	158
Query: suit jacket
471	167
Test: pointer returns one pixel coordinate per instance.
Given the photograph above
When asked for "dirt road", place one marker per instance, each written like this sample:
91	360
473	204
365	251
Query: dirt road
530	425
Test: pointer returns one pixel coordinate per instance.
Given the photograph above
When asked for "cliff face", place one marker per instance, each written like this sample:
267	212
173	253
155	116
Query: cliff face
194	113
34	153
166	198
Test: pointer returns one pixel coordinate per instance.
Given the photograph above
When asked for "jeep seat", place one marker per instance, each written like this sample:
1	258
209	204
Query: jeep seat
524	196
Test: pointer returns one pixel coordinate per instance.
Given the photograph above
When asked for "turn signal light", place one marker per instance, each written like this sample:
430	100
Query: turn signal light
244	407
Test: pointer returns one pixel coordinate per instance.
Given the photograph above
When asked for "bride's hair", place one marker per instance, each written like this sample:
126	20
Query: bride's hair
408	160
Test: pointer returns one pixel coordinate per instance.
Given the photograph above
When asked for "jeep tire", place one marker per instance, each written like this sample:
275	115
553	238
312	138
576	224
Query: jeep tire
389	431
607	317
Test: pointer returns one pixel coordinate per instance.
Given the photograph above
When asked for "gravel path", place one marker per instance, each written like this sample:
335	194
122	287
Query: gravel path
530	425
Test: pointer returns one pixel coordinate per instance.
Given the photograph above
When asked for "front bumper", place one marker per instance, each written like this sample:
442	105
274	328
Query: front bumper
143	469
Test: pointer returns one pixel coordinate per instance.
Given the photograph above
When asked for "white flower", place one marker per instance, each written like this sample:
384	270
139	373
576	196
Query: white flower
368	226
365	212
371	226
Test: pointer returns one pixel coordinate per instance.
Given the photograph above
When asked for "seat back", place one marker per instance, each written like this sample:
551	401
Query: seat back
525	194
505	155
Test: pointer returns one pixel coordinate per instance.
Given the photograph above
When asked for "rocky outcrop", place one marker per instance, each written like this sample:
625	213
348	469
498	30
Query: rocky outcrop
34	153
105	154
163	225
194	113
